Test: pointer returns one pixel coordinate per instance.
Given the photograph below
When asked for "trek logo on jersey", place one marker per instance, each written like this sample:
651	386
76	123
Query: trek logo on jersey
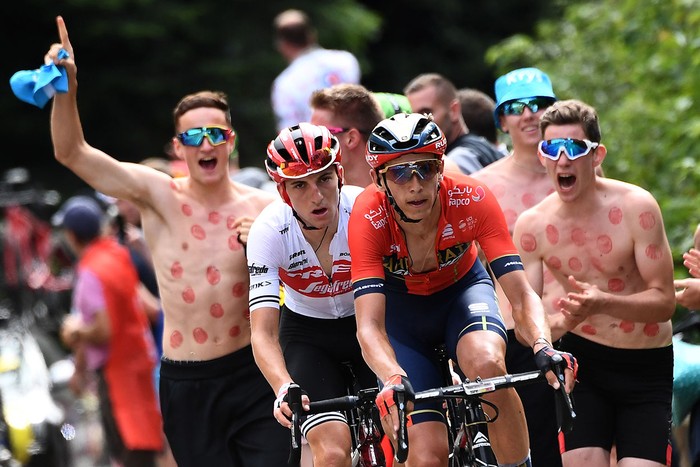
377	218
284	231
465	195
254	270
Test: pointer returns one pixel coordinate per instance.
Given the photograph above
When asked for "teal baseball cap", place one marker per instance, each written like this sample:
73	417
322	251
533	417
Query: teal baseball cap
520	84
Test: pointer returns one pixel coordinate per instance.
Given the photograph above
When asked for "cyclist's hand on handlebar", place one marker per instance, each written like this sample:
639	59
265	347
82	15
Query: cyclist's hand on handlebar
386	402
281	409
548	360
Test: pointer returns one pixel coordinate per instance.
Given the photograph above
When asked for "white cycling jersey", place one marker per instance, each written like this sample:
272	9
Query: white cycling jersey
277	251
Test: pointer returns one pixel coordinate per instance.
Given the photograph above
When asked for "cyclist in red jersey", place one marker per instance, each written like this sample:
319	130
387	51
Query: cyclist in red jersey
418	283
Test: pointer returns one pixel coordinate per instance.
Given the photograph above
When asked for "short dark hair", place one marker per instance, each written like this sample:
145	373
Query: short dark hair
477	111
212	99
294	27
445	90
572	112
352	104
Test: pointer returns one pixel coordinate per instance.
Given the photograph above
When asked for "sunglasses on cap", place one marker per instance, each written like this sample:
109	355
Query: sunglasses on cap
535	104
338	130
216	135
572	148
320	160
401	173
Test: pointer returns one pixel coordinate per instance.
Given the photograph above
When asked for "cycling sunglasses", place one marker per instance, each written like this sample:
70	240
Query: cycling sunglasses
319	160
402	173
216	135
573	148
535	104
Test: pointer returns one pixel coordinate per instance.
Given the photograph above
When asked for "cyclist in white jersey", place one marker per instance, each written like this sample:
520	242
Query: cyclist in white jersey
301	241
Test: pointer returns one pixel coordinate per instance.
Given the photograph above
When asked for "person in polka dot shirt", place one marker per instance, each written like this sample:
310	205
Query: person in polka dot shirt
603	241
214	400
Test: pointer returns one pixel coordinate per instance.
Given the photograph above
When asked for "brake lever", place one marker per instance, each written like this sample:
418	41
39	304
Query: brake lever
294	401
564	402
402	434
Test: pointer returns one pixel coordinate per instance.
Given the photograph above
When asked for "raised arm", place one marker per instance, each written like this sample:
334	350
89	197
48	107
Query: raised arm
99	170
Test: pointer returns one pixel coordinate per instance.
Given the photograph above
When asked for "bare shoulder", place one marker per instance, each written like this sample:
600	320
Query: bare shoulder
634	196
254	198
492	171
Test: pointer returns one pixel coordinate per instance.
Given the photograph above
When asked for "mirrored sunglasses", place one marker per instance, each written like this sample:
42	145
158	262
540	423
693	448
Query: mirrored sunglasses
535	104
402	173
216	135
572	148
320	160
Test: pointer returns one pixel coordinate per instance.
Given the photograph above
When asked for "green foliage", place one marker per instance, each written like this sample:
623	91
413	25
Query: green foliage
638	64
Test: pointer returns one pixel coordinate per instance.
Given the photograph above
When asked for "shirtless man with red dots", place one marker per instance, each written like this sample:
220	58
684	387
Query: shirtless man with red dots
519	182
215	402
603	240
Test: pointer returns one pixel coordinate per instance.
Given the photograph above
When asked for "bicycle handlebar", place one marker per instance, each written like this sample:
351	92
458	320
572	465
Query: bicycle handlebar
472	389
327	405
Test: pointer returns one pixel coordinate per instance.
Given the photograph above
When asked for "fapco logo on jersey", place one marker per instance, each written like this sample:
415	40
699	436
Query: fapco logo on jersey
465	195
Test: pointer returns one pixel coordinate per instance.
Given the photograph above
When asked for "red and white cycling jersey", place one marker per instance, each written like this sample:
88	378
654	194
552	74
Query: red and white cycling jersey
277	251
470	212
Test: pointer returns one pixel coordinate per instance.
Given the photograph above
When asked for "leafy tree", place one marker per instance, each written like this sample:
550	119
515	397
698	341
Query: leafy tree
638	64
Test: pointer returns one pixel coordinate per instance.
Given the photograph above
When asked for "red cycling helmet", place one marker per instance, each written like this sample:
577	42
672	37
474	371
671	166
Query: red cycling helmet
404	134
301	150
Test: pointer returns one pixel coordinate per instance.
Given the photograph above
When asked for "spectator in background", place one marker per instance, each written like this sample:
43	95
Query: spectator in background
311	67
110	336
431	93
477	111
349	111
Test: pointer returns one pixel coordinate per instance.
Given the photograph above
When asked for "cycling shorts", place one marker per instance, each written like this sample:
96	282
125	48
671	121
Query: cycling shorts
623	397
324	358
418	324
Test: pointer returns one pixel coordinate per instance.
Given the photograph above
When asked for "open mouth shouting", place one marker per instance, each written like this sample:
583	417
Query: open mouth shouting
208	163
